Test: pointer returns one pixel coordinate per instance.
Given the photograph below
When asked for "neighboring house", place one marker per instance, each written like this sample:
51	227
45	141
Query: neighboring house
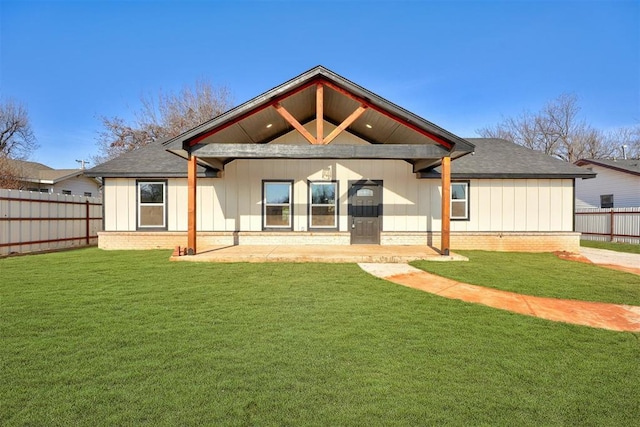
321	160
32	176
617	184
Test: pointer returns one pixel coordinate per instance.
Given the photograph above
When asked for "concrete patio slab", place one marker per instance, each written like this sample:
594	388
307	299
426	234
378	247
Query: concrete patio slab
318	253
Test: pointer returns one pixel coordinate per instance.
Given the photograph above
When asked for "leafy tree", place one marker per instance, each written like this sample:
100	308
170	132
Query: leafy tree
165	115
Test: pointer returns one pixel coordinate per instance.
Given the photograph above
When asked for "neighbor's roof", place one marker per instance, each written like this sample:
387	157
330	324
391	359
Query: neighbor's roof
37	172
499	158
631	166
150	161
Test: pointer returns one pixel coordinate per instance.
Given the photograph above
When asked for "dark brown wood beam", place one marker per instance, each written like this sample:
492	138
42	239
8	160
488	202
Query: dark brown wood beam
330	151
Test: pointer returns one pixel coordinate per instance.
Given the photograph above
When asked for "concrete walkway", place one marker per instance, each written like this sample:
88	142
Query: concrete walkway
612	259
614	317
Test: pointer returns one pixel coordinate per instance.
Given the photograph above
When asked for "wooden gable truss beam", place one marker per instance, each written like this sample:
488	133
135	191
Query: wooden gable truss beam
345	124
320	113
410	125
294	122
320	83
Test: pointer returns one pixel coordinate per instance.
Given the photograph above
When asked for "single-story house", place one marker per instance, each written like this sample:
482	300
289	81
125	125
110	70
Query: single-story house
321	160
33	176
617	184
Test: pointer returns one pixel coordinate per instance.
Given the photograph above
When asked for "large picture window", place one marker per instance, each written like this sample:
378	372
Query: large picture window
152	204
278	205
323	208
460	200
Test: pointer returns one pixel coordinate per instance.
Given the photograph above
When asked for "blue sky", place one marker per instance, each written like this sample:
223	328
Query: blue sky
460	64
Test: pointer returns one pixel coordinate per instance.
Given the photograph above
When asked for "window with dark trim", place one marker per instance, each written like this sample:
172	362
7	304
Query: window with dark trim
323	205
152	204
277	205
460	200
87	193
606	201
66	192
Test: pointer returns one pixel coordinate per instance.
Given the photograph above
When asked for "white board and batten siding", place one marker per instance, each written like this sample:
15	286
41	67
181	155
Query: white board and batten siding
78	185
518	205
234	202
625	188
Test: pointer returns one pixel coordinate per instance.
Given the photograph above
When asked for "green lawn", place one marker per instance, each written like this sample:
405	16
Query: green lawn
618	247
91	337
540	274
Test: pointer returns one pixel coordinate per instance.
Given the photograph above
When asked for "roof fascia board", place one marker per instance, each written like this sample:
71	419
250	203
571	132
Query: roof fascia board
604	165
436	175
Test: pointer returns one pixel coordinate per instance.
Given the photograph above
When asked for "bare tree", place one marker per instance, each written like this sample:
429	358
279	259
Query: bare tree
625	142
10	175
16	137
555	130
166	115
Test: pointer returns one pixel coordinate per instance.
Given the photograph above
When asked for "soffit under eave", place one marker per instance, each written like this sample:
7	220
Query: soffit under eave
247	123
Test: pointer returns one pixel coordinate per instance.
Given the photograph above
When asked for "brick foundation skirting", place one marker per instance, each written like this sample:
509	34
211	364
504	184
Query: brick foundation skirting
489	241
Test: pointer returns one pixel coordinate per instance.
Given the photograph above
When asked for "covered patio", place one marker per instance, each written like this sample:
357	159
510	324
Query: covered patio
329	106
318	253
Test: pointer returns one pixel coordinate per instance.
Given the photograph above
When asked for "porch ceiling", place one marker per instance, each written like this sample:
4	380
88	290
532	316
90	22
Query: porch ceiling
248	130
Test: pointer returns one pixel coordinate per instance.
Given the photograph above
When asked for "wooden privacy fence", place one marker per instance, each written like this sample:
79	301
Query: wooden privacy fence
614	225
31	222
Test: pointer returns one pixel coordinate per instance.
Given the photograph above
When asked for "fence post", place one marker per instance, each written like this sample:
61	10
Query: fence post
611	225
86	204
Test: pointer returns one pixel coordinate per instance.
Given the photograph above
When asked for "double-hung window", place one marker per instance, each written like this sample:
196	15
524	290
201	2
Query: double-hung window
323	207
278	205
460	200
152	204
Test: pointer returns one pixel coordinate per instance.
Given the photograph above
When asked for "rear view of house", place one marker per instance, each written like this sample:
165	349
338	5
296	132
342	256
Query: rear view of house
321	160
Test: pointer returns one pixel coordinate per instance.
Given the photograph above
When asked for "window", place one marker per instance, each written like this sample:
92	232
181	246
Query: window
87	193
606	201
152	204
66	192
277	204
460	200
323	209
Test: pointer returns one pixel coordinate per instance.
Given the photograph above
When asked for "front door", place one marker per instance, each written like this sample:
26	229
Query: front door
365	212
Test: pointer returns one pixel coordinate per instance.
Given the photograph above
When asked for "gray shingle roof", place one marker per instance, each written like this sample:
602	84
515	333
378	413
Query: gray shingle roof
499	158
150	161
631	166
38	172
493	158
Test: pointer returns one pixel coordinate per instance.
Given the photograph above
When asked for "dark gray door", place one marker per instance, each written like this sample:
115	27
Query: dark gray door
365	213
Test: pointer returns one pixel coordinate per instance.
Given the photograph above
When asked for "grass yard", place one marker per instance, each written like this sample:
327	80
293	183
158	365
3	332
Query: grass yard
618	247
540	274
92	337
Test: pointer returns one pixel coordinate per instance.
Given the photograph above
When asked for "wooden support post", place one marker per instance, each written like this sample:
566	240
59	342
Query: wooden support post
192	170
445	236
319	113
